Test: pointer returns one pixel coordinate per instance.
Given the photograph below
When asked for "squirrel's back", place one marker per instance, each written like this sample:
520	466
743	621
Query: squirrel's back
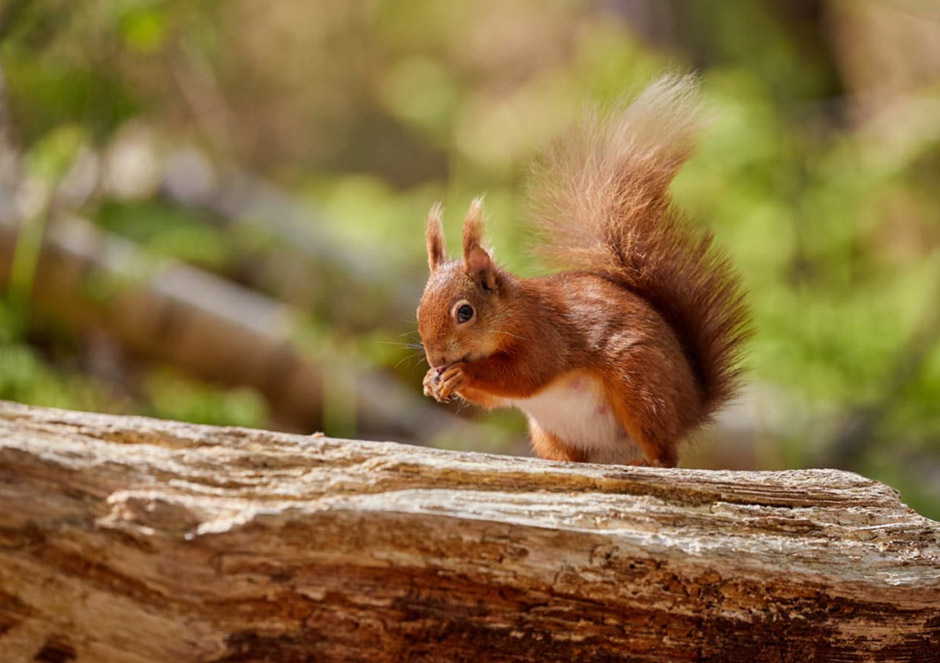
601	197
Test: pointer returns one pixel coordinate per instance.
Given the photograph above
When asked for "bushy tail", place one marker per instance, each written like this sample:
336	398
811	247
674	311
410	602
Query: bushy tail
601	197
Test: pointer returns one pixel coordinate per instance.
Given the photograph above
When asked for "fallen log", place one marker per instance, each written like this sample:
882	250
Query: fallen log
134	540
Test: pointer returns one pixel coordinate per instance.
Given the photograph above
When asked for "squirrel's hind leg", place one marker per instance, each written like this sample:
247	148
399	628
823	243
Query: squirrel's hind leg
655	397
656	439
653	422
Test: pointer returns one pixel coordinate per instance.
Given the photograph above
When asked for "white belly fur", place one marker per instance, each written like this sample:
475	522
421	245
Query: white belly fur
574	408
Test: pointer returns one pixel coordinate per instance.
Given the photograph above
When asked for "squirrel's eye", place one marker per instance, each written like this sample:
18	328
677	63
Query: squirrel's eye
464	313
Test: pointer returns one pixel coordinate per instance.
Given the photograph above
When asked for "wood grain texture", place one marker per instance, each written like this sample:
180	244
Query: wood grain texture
133	540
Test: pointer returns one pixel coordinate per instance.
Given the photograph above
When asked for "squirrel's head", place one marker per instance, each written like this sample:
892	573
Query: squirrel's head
463	308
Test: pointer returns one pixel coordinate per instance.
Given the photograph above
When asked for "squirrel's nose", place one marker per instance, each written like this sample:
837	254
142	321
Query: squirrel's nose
436	360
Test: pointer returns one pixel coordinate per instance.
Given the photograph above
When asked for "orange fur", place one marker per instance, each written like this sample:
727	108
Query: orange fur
651	314
601	199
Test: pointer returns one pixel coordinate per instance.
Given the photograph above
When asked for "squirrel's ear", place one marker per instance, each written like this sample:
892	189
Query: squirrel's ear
476	261
434	235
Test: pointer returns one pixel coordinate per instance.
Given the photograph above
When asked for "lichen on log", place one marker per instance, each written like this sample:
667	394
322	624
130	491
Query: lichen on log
133	540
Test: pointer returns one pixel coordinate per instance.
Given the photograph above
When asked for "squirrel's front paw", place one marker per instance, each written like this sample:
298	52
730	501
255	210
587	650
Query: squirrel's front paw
441	384
433	384
452	379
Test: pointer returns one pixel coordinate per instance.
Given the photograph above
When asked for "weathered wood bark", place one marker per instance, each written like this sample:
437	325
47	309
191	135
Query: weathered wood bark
127	539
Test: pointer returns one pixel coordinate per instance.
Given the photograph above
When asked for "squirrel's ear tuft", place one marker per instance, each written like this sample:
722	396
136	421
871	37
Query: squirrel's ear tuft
434	235
476	261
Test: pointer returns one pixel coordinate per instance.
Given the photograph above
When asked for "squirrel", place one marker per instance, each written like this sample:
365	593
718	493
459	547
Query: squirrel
634	347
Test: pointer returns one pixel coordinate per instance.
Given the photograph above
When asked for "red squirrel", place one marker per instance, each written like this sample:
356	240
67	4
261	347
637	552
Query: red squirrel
619	358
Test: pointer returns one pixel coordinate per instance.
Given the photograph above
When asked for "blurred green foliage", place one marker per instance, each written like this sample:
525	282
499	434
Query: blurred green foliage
169	231
368	112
